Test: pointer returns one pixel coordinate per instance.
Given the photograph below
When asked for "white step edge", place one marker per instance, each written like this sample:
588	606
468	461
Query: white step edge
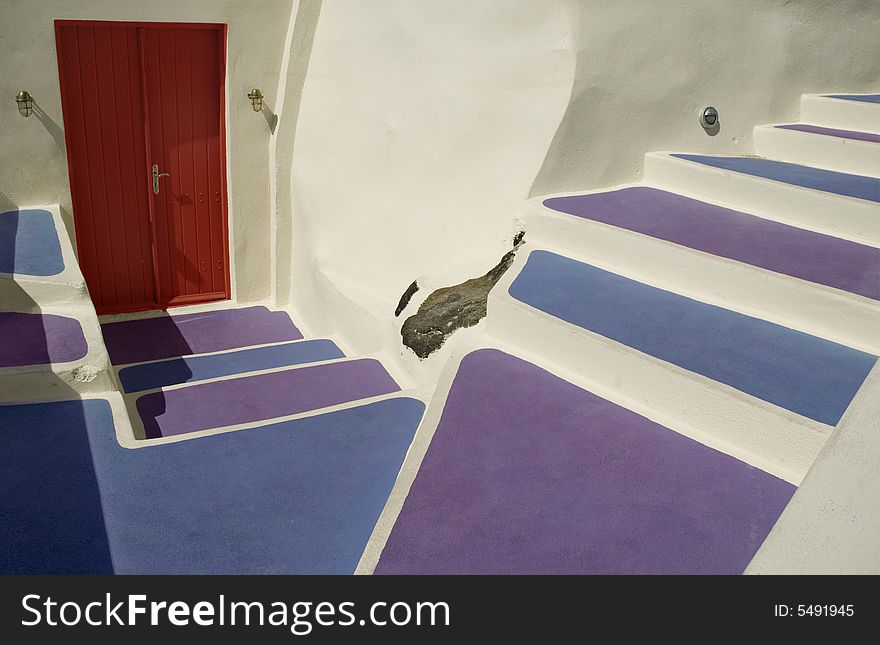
831	524
839	316
759	433
840	113
819	150
846	217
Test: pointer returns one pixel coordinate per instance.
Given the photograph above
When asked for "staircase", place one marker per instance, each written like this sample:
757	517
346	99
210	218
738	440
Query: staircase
662	366
51	339
705	330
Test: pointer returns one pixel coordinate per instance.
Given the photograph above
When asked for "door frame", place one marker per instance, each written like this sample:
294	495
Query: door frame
222	31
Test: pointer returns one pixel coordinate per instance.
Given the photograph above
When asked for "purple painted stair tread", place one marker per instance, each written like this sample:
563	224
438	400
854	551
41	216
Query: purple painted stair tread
262	396
527	473
39	339
831	132
134	341
817	258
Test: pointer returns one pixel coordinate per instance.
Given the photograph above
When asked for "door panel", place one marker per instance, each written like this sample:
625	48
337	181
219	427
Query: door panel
134	95
183	95
106	154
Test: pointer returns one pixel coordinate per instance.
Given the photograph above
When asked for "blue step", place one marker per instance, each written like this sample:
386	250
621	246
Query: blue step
810	376
297	497
828	181
148	376
29	243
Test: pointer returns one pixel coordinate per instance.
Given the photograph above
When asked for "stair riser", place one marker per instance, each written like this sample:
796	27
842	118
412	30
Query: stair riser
837	113
765	436
848	218
833	153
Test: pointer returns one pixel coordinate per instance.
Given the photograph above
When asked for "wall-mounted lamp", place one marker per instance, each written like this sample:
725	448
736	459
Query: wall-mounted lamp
256	97
25	103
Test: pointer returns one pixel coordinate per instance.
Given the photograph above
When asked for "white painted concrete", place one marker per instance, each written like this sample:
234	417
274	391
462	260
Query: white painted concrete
826	312
847	217
421	128
832	524
818	150
839	113
33	160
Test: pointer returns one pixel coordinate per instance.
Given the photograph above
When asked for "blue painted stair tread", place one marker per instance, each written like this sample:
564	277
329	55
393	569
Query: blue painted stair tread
149	339
296	497
527	473
148	376
258	397
863	98
29	243
810	376
829	181
789	250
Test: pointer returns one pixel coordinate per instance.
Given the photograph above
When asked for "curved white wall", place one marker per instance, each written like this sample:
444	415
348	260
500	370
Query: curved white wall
421	128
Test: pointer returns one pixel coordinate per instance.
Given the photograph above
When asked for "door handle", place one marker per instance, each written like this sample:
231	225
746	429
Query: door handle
156	175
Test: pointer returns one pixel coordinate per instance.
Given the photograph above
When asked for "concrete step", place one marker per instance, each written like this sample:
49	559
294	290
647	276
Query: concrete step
51	354
233	401
817	283
756	390
295	497
38	267
165	336
162	373
839	204
812	145
528	473
859	112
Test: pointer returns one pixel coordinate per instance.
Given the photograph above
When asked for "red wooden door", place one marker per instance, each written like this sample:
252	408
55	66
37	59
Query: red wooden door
137	96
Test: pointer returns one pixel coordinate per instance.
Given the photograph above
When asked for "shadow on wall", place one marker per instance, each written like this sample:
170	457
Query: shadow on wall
52	520
299	51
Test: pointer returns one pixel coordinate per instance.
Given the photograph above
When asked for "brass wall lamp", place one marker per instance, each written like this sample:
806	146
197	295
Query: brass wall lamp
256	97
25	103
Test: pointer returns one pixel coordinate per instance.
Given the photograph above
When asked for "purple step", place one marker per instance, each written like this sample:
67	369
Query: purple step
39	339
148	339
527	473
261	397
817	258
831	132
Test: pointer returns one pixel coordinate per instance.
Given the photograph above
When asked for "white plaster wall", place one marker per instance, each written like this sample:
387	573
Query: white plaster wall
33	165
645	69
421	128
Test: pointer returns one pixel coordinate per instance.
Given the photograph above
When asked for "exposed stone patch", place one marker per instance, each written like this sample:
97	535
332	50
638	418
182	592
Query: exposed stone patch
406	297
451	308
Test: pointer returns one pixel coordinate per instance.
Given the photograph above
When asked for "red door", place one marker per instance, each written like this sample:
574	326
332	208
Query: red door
144	125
